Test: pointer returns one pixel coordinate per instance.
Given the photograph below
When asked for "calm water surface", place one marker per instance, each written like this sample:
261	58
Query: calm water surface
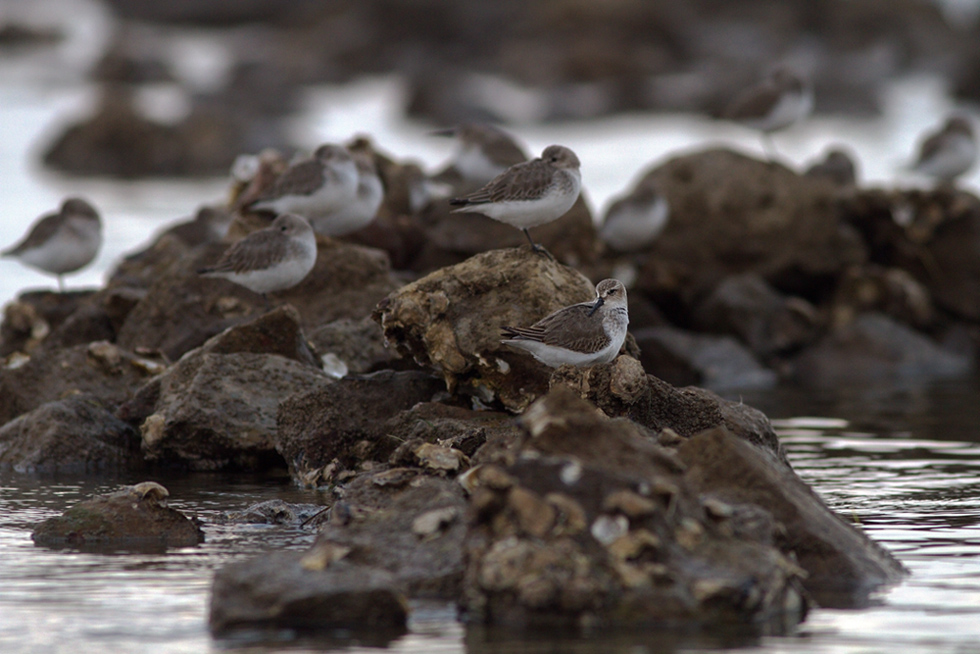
916	489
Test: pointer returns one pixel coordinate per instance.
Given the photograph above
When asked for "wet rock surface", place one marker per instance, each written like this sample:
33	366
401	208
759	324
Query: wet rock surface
134	517
74	435
595	521
294	590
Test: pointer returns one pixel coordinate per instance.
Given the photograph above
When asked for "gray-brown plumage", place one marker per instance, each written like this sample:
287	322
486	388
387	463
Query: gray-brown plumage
484	152
778	101
271	259
314	186
530	193
581	334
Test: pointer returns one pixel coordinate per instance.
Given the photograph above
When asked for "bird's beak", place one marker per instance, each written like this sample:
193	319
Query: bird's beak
595	307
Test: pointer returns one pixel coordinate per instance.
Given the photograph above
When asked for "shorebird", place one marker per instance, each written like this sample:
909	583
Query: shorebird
634	221
777	102
529	194
837	166
271	259
360	210
484	151
61	242
312	187
949	152
581	334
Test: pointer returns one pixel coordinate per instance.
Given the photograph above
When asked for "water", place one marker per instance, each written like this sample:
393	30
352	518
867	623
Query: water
903	462
916	489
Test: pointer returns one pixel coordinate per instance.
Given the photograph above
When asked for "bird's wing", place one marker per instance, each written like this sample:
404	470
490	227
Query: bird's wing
42	231
525	181
571	327
303	178
257	251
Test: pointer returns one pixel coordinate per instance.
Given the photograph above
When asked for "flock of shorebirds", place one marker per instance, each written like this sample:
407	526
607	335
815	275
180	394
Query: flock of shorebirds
337	191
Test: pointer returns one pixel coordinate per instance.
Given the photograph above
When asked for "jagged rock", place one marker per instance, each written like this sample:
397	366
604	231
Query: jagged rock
892	291
358	343
134	517
595	522
715	362
934	235
768	322
297	590
34	315
843	565
73	435
216	407
338	426
731	215
182	310
109	373
623	388
876	349
413	530
450	321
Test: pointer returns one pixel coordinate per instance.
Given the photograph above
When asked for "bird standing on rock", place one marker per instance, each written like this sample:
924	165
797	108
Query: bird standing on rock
948	153
581	334
272	259
780	100
61	242
529	194
313	187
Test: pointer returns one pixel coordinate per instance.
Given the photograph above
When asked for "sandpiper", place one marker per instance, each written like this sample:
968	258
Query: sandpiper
61	242
777	102
837	166
484	151
530	193
949	152
271	259
313	187
361	210
632	222
581	334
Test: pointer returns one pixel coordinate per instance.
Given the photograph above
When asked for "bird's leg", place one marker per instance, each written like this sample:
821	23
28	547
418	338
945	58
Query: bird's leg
535	247
61	284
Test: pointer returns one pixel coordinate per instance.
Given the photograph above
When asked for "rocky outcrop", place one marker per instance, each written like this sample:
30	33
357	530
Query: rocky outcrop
600	524
450	321
333	427
216	407
74	435
102	370
134	517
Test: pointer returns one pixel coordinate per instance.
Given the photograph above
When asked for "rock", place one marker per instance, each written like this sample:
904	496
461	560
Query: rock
73	435
874	349
595	523
413	530
34	315
732	215
272	512
182	310
277	591
934	235
358	343
100	369
768	322
623	389
891	291
216	411
337	426
843	565
715	362
482	434
134	517
216	407
450	321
